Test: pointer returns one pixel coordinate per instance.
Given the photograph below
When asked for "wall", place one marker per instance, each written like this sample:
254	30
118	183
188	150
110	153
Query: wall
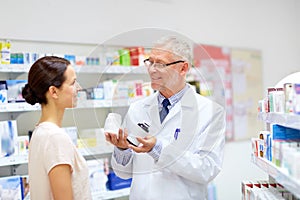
271	26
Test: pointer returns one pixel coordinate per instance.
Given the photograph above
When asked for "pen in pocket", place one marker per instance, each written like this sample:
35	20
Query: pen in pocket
176	133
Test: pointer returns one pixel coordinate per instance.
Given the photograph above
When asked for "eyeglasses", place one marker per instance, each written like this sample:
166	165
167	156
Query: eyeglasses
149	63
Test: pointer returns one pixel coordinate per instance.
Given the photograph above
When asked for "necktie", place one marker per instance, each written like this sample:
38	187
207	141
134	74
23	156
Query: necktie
164	112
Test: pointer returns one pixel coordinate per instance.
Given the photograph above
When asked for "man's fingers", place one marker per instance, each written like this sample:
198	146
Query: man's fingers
121	135
134	148
125	132
107	137
141	140
114	139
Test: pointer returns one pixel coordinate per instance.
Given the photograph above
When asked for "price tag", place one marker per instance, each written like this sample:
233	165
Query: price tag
21	107
3	108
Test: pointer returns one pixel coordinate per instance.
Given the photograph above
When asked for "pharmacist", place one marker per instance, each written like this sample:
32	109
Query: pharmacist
183	149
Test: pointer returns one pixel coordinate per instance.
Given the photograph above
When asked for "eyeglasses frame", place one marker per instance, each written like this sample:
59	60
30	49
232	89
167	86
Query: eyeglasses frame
165	65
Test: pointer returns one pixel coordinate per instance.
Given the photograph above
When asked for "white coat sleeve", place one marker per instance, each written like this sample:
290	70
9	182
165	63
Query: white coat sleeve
121	161
201	160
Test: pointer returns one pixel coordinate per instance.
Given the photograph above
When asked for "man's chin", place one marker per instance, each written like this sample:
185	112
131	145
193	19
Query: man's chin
155	86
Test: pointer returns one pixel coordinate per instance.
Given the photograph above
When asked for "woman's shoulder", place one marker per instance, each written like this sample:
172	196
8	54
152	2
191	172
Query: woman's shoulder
51	131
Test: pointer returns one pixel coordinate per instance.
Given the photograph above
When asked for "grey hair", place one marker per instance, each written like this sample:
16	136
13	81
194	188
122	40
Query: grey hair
177	46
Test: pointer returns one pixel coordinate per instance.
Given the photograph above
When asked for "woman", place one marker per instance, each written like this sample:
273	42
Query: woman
56	169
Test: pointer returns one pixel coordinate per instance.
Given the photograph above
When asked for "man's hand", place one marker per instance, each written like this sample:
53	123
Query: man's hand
146	144
118	140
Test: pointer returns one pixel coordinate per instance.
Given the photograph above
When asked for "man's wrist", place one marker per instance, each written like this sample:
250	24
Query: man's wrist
122	149
156	150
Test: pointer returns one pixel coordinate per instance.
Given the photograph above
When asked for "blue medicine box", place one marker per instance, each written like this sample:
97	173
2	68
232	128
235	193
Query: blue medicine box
114	182
12	188
285	133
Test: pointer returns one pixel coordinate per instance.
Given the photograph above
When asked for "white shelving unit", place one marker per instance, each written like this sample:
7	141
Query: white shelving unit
113	69
18	107
284	119
13	160
280	175
111	194
105	103
88	153
14	70
91	153
104	195
25	107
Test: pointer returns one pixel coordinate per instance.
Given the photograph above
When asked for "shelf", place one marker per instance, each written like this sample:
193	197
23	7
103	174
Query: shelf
278	174
24	107
98	152
18	107
104	195
24	68
106	103
14	68
13	160
114	69
88	154
111	194
284	119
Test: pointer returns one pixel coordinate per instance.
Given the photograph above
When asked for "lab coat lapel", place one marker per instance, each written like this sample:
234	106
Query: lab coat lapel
185	103
172	113
152	111
188	100
190	118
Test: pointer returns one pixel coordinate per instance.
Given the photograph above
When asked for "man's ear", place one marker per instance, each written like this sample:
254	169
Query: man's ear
185	68
53	92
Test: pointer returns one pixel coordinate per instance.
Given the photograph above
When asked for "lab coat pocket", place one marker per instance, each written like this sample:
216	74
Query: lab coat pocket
142	163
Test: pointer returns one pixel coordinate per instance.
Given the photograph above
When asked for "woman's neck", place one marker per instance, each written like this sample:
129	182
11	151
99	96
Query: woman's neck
52	114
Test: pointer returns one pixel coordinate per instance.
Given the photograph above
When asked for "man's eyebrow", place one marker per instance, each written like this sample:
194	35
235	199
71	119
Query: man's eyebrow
156	60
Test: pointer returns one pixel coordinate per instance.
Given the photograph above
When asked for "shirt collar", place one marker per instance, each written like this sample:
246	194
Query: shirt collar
173	99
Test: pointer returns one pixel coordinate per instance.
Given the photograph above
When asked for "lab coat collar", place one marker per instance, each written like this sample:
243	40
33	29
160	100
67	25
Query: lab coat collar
151	100
185	101
153	111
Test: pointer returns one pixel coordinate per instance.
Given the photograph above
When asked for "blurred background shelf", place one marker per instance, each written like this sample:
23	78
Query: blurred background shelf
279	174
284	119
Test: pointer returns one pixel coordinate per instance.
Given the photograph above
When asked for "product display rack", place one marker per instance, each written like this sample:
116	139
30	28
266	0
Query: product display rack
276	173
88	154
13	109
284	119
111	194
105	195
14	68
114	69
86	73
13	160
25	107
18	107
